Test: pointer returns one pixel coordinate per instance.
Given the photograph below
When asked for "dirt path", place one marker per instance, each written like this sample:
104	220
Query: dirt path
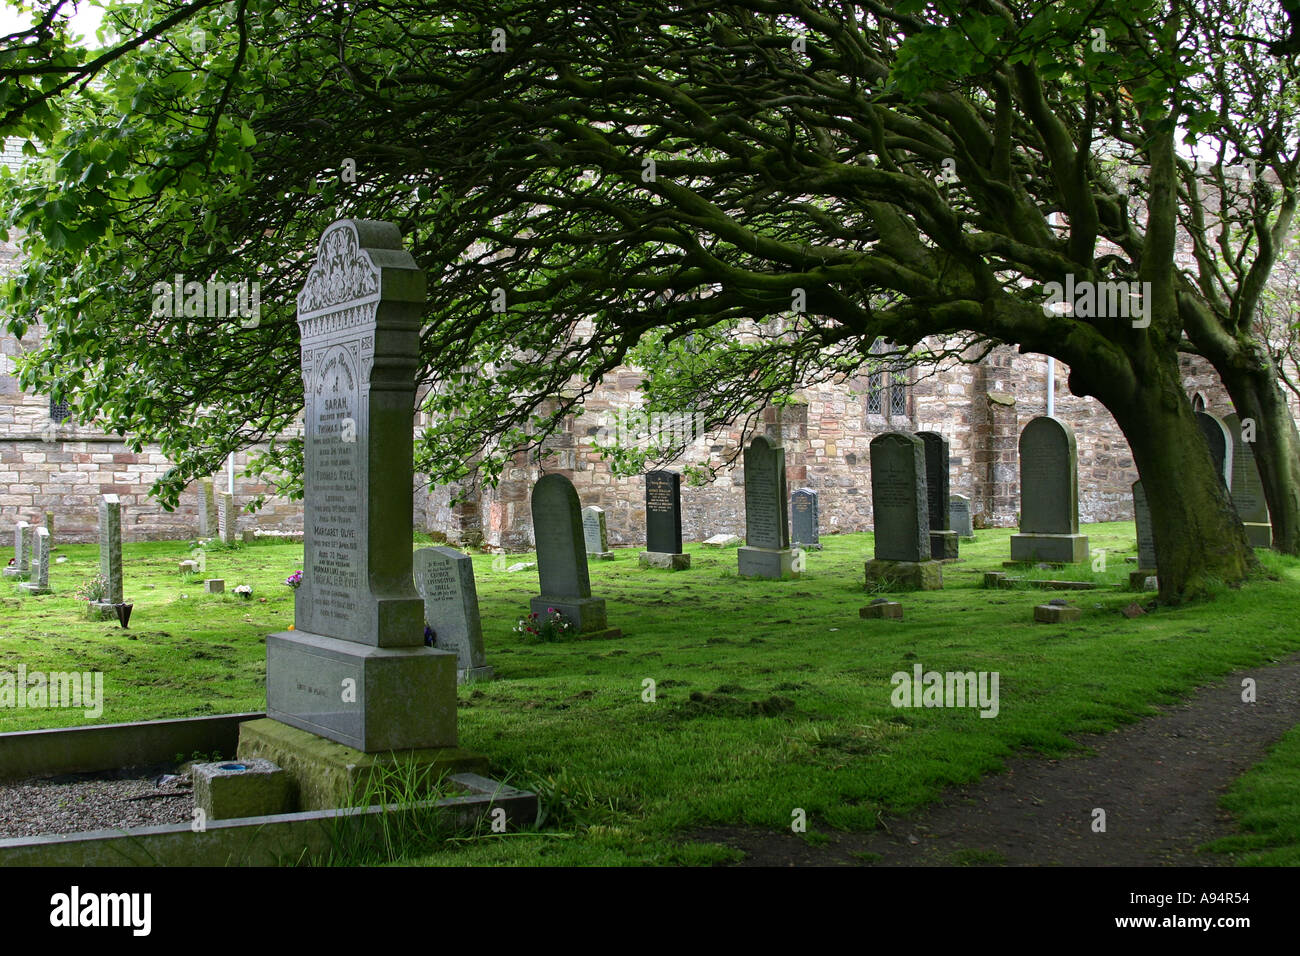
1158	780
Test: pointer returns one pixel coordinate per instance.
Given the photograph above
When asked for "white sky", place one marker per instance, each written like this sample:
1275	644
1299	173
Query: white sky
86	17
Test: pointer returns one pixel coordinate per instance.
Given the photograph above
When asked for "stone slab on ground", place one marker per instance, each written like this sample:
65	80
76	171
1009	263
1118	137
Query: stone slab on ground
904	575
666	562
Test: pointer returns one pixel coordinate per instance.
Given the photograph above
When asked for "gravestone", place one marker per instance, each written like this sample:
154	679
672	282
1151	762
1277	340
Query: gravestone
1049	495
227	519
445	579
1220	442
208	521
40	579
110	559
900	516
959	518
595	535
663	522
355	668
22	551
562	559
1247	488
943	540
804	520
1146	541
766	553
49	525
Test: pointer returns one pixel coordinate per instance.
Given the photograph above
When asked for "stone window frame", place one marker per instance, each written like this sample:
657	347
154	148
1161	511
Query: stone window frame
889	391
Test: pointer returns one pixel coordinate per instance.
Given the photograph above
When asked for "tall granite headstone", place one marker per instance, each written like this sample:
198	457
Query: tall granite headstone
804	524
663	522
445	579
1247	488
227	519
562	559
355	668
110	559
22	551
1220	442
1146	541
595	534
900	506
208	521
943	540
766	552
40	580
1049	495
959	517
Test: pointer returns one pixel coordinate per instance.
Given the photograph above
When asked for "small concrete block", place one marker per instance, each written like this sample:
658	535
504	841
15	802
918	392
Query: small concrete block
1055	548
241	788
721	541
943	545
1056	613
214	586
882	610
600	555
995	579
1151	584
664	561
189	567
776	564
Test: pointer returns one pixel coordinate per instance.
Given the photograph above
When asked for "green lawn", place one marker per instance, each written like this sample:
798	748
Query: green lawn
770	696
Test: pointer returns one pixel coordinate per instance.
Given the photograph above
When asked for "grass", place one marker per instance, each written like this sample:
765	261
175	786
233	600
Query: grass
769	696
1266	803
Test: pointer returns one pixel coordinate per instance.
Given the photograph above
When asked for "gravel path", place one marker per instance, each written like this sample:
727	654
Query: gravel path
72	803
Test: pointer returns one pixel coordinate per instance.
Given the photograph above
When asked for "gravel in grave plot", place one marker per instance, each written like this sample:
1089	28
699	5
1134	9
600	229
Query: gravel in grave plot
115	800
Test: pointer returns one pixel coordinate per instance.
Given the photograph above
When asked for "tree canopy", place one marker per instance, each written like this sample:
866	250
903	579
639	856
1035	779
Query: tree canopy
597	184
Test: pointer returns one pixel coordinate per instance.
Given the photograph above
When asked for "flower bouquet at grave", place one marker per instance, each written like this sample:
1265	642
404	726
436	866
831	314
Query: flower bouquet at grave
294	580
554	627
93	589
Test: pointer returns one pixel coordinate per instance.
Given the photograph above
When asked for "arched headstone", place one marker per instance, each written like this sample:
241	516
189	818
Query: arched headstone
766	553
562	558
1049	495
900	509
1247	488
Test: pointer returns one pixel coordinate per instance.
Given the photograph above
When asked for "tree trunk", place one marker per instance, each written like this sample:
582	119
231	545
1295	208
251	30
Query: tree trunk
1257	394
1199	538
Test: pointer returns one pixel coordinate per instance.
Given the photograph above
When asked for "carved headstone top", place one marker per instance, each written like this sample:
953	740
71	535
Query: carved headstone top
359	319
899	499
767	521
1049	478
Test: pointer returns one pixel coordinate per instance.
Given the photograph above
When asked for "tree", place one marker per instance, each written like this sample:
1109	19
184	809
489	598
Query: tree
598	183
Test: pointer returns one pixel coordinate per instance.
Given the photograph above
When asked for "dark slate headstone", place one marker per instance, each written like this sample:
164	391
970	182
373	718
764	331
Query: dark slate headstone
766	518
445	579
562	556
959	517
936	479
804	519
1145	538
1247	488
663	512
766	553
899	499
1220	442
1049	478
358	619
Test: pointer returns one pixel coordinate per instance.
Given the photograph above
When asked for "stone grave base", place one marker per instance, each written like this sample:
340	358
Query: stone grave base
766	563
664	560
1137	580
230	789
721	541
471	674
16	573
370	698
943	545
600	555
905	575
884	611
1063	548
328	775
101	611
585	614
32	587
806	547
1259	535
1056	613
